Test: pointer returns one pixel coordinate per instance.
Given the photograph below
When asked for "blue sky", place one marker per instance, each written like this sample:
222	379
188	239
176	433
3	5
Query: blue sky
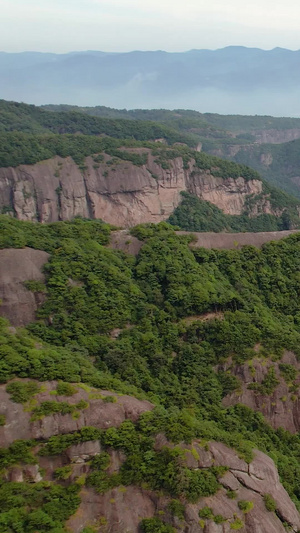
123	25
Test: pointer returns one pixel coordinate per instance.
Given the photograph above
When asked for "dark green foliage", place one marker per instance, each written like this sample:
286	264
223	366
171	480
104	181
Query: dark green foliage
270	503
219	519
268	385
245	506
34	120
206	513
28	507
63	473
35	286
109	399
48	408
57	444
65	389
18	451
17	234
177	508
155	525
22	391
229	382
237	524
231	494
289	372
2	420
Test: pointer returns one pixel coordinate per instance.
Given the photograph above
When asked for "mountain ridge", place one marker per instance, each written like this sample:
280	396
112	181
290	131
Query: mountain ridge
157	78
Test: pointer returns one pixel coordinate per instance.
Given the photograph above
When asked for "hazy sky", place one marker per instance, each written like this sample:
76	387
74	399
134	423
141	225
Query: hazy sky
123	25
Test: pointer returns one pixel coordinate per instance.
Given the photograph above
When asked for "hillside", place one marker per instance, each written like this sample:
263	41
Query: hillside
268	144
25	118
244	127
124	389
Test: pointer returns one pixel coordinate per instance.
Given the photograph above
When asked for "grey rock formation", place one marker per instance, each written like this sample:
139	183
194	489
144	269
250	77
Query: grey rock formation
122	194
17	303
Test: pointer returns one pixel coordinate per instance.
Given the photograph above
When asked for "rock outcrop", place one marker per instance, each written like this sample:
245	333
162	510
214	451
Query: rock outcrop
118	192
274	136
281	405
99	413
121	509
17	266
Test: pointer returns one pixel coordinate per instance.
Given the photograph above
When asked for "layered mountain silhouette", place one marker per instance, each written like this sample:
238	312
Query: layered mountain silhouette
229	80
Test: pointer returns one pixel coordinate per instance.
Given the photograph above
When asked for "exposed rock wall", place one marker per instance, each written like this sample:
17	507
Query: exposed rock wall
17	303
119	193
281	407
121	509
274	136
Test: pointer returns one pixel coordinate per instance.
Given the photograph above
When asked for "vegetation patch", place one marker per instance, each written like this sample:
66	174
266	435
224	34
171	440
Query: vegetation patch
48	408
245	506
270	503
268	385
22	391
65	389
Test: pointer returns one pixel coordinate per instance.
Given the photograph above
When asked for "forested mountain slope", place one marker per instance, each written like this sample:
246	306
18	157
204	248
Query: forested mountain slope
170	327
251	140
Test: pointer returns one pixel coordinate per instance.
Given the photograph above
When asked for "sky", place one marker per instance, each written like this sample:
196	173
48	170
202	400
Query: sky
122	25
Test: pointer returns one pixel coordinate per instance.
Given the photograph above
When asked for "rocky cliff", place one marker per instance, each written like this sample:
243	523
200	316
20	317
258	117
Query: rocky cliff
269	387
117	191
69	462
18	303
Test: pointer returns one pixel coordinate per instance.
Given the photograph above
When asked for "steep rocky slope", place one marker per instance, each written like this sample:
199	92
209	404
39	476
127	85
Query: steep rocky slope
123	406
120	192
120	509
271	387
18	303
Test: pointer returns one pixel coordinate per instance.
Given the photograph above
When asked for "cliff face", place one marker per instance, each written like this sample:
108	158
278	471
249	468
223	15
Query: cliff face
280	404
19	304
274	136
121	509
119	192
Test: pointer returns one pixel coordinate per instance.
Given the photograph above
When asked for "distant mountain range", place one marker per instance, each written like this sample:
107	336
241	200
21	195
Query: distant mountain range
230	80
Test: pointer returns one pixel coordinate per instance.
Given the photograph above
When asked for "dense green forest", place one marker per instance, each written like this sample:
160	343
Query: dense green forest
31	119
188	120
22	148
158	355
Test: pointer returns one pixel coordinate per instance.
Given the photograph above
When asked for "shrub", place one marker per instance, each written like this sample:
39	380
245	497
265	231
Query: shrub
155	525
237	524
22	391
65	389
109	399
177	508
206	513
63	473
231	494
270	503
245	506
219	519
